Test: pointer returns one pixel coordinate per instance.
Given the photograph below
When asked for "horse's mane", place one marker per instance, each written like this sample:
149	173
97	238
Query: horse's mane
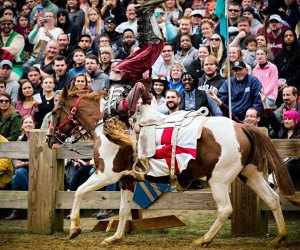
92	96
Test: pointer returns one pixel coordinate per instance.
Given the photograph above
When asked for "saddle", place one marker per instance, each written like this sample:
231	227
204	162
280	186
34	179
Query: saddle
146	136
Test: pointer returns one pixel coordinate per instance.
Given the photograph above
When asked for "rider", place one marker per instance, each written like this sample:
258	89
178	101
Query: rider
126	83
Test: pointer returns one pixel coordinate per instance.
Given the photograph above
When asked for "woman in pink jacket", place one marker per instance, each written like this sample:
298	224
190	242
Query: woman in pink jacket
267	73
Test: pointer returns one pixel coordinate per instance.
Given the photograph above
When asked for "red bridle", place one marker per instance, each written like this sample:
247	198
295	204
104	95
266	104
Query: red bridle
69	119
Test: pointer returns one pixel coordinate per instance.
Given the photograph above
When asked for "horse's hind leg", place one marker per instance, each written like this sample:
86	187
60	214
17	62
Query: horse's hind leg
125	206
95	182
220	192
258	184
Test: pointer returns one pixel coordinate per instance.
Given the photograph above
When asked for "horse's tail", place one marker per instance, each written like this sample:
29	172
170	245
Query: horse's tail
263	147
116	131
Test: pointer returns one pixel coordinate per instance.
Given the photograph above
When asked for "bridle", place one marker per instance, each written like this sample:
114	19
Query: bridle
72	119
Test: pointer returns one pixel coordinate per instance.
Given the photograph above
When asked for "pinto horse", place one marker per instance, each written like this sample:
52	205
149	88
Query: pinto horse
225	151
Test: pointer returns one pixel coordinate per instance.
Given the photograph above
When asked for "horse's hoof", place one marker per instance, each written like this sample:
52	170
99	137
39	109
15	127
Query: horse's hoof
276	243
74	233
200	242
106	242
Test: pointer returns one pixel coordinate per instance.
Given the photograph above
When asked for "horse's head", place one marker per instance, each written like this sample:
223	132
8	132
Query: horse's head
75	112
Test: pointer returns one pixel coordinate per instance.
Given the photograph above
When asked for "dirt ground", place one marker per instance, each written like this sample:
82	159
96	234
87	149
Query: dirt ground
13	235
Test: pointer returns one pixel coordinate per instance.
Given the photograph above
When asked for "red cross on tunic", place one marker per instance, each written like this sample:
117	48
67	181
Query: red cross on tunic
166	151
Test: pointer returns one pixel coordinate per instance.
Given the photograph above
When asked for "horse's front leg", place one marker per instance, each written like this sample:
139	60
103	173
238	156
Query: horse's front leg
125	208
95	182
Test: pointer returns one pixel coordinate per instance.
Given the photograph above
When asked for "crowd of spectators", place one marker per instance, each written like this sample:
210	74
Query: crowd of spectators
45	48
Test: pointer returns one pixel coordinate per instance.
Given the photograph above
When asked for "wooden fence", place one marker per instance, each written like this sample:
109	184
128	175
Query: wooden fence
45	199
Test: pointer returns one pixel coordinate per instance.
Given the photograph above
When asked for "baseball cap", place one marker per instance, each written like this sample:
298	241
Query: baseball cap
239	65
275	17
198	12
110	19
6	62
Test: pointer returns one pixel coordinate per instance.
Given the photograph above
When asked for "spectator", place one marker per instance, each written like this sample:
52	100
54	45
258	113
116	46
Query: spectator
25	11
65	49
207	30
6	170
128	41
131	23
10	120
192	98
79	66
290	102
217	48
44	61
292	13
186	52
245	91
288	60
175	79
47	97
234	12
26	103
173	100
249	52
2	86
196	66
85	42
20	178
174	11
106	55
24	29
185	28
159	88
275	37
61	76
34	77
76	14
115	9
79	82
267	74
70	27
255	24
43	32
162	66
99	78
45	6
93	23
235	55
115	37
244	32
14	43
197	16
210	79
262	41
12	86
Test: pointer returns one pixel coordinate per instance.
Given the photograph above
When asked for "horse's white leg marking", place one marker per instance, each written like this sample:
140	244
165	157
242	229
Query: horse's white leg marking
258	184
125	206
95	182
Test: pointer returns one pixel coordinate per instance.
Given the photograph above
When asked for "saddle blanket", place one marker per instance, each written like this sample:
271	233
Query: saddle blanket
186	147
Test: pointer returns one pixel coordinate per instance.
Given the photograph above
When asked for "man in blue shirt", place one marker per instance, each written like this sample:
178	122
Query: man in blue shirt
245	91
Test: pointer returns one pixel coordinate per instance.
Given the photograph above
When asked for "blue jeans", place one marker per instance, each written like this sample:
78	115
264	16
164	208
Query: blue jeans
20	179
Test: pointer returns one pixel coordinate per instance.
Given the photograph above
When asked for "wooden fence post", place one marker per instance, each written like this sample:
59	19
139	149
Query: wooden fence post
45	178
247	218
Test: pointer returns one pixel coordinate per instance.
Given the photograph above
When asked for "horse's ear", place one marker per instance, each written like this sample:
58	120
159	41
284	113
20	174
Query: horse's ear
64	94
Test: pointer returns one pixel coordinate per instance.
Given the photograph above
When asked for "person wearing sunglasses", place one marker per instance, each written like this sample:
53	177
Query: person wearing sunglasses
10	119
234	12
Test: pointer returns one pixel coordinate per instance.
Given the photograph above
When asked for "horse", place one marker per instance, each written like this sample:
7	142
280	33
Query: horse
225	151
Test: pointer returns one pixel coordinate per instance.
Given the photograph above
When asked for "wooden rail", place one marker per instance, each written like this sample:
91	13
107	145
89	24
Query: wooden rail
45	199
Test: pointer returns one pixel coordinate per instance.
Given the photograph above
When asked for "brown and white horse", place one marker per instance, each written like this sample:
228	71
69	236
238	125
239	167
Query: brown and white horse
224	151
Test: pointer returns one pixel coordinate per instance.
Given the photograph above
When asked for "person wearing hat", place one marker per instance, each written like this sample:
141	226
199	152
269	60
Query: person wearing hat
197	16
115	37
14	43
255	24
245	91
160	85
12	86
275	36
